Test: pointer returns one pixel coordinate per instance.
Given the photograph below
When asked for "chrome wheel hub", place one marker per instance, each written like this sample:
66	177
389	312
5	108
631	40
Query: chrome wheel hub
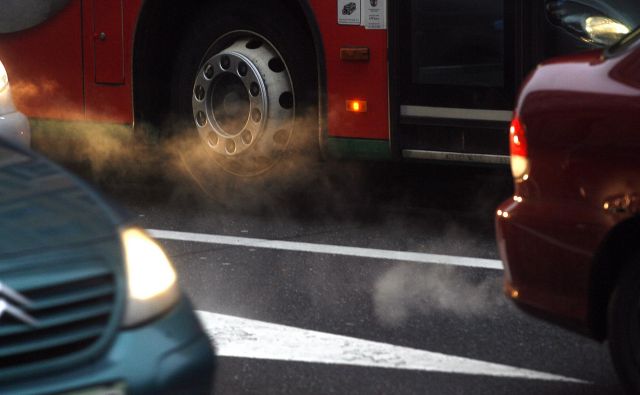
243	103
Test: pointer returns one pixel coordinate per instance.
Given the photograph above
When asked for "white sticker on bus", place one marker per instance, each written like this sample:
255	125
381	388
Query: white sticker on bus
374	14
349	12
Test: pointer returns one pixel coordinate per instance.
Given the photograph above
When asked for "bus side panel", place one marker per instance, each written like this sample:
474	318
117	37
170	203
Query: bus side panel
44	64
354	80
108	79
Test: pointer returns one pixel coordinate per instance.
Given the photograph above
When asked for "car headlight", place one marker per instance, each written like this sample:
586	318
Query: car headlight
4	78
603	30
151	279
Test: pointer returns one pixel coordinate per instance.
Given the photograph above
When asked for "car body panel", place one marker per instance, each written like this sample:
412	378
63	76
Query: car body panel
14	126
580	114
60	209
171	356
61	250
547	256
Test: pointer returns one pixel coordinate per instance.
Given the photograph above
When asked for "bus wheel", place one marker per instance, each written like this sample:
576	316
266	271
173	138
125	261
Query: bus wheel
244	88
624	327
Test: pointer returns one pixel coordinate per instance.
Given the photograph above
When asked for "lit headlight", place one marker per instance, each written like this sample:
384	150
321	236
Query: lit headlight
151	279
4	78
603	30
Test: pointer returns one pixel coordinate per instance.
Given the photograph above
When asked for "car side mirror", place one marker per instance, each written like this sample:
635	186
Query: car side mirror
586	23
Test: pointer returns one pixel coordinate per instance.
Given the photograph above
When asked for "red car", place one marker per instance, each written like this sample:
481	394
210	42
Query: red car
570	236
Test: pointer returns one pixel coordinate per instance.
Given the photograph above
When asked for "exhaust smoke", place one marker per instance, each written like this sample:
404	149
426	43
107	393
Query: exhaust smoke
406	291
181	164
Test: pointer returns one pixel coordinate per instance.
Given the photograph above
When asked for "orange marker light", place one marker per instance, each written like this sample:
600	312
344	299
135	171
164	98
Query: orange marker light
354	54
356	106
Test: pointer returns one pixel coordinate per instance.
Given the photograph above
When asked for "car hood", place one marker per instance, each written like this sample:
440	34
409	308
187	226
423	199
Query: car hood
43	207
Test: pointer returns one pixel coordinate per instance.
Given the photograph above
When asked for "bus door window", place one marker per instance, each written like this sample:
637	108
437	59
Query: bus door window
458	42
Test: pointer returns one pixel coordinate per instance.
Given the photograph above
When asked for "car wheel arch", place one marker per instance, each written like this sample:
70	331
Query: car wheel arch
615	252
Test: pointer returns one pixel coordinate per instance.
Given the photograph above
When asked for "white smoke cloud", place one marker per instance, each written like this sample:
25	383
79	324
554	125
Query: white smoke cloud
408	290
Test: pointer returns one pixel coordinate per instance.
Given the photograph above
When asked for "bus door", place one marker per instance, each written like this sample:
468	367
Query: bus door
454	75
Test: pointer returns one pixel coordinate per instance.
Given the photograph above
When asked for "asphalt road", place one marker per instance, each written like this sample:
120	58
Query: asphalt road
403	327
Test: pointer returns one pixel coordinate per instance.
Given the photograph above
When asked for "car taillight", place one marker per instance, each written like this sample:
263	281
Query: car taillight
519	150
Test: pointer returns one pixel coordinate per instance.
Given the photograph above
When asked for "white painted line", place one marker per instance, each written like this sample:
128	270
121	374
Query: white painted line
456	113
373	253
245	338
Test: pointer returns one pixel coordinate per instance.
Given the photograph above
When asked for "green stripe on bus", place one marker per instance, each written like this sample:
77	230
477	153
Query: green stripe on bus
358	148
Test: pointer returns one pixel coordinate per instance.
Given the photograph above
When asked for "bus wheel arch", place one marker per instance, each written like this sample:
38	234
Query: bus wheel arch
153	68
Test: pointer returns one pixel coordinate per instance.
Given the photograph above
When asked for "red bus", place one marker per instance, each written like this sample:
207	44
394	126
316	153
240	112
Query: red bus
404	79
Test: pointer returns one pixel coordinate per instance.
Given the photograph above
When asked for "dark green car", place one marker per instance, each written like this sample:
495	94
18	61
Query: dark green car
89	304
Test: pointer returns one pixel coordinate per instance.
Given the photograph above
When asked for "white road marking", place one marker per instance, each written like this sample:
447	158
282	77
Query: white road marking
373	253
245	338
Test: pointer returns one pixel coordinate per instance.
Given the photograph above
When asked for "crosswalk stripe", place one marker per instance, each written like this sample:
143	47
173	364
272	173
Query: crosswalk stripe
246	338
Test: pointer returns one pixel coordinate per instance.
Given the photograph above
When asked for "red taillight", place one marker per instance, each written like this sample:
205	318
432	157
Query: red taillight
517	138
519	151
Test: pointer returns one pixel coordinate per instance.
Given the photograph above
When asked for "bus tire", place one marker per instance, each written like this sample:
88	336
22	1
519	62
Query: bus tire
245	91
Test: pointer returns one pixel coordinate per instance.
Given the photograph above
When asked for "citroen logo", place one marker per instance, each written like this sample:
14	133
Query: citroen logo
13	304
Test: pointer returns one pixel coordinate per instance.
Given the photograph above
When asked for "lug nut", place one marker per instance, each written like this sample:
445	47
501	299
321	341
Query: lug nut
231	146
208	71
225	62
199	92
242	69
256	115
212	139
246	137
254	89
201	118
